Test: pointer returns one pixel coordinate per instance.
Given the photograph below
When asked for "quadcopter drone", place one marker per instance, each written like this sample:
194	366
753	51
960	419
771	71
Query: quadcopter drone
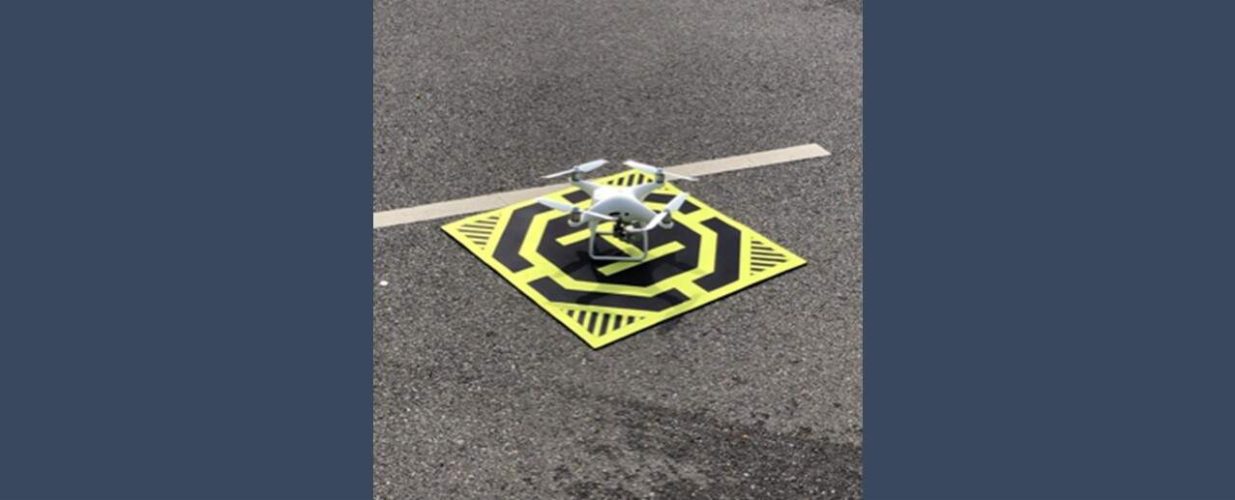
623	206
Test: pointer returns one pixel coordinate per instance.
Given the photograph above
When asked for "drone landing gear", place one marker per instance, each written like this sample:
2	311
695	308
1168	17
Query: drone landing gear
620	233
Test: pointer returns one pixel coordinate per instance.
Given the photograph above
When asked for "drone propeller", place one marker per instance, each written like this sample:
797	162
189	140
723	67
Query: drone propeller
648	169
581	169
571	209
676	203
655	221
670	207
557	205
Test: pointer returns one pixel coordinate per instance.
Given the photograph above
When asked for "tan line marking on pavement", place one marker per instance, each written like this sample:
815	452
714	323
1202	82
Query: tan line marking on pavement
497	200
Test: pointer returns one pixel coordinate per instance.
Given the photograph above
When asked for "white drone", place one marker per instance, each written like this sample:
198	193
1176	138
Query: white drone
623	206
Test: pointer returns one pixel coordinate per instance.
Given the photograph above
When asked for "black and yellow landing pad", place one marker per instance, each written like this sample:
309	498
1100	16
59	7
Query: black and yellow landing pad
703	257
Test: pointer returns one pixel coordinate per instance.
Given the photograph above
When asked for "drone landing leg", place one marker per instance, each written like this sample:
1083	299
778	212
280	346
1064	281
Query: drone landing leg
591	248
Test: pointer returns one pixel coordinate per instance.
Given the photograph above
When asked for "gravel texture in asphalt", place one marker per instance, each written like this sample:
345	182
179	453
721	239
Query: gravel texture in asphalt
480	394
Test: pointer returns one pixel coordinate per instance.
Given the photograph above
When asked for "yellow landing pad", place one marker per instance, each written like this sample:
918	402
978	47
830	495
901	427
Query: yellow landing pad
703	257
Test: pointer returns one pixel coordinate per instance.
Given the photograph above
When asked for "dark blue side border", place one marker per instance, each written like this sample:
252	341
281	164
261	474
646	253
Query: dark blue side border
1048	234
186	271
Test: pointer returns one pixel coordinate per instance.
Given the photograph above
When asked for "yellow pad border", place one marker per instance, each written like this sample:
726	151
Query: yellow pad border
705	256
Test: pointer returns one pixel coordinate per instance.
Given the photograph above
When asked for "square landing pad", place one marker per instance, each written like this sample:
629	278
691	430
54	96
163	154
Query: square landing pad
703	257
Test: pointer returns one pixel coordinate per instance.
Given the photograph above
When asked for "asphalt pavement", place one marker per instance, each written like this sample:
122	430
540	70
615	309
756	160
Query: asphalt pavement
480	394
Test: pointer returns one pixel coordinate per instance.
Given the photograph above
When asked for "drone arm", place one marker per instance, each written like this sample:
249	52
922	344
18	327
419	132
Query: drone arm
586	186
643	190
652	223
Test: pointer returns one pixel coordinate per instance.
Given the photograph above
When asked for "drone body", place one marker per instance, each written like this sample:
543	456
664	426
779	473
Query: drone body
623	206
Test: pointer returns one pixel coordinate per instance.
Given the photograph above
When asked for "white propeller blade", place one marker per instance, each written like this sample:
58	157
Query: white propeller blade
673	206
652	223
656	220
676	202
591	165
580	168
648	169
642	167
557	205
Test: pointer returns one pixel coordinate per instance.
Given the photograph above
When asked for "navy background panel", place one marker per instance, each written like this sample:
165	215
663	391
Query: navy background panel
186	193
186	272
1048	249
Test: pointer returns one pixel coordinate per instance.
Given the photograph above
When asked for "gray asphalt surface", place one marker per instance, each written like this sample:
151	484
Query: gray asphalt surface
480	394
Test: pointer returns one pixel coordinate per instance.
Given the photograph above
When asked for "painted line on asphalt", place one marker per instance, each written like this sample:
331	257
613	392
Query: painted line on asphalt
497	200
